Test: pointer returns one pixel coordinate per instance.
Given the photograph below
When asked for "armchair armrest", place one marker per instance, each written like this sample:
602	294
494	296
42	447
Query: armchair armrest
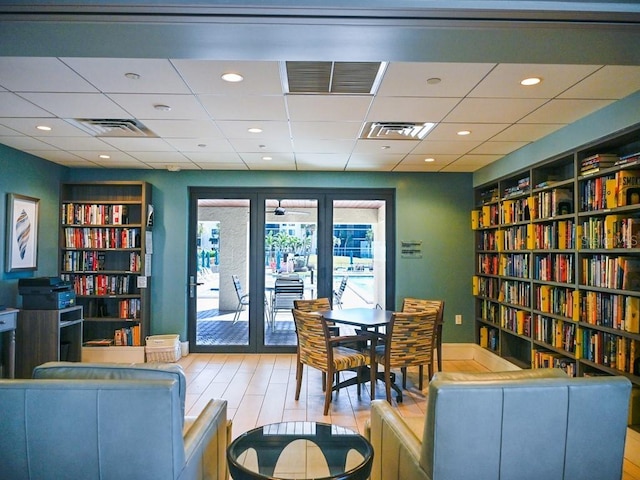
205	444
397	447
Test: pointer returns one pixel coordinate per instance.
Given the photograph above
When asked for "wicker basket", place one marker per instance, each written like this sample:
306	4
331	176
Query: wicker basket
163	348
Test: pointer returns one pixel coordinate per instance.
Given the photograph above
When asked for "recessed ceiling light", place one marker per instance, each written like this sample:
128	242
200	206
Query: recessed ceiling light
433	81
132	76
104	157
385	147
267	158
232	77
44	128
429	159
173	168
527	82
162	108
254	130
462	133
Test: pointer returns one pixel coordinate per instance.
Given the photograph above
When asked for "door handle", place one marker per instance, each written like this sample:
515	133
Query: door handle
192	285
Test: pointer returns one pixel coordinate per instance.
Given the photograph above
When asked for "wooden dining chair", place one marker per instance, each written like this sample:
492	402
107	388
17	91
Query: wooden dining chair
410	304
408	342
318	349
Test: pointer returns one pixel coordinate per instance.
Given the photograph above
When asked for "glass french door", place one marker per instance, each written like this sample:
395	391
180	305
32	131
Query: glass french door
253	251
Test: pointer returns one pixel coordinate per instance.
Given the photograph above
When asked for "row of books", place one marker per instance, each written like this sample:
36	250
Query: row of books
489	311
621	312
557	201
594	163
94	261
522	186
610	191
489	338
612	231
609	350
545	359
108	237
487	240
551	267
555	332
515	238
518	210
515	293
556	300
94	214
100	284
609	271
488	263
517	321
126	336
514	265
555	235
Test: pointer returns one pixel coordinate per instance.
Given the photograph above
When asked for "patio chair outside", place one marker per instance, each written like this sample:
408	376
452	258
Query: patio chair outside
337	294
243	298
285	292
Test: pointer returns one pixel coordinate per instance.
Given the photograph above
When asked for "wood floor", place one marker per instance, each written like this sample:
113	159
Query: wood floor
260	389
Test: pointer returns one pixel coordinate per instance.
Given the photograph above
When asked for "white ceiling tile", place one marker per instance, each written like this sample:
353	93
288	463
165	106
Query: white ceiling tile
261	146
526	132
246	107
172	166
385	147
183	107
410	79
75	105
504	80
11	105
160	157
457	167
324	146
565	111
417	161
94	156
437	147
39	74
254	158
139	144
326	130
59	156
213	157
359	161
77	143
416	167
233	129
59	127
474	160
322	158
6	131
200	145
24	143
495	110
610	82
314	108
123	164
203	76
183	128
501	148
222	166
480	132
410	109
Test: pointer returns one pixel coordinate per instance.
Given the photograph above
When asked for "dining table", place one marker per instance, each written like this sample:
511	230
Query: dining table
367	319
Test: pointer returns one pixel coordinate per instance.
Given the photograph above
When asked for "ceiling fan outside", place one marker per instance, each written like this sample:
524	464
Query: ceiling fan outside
279	211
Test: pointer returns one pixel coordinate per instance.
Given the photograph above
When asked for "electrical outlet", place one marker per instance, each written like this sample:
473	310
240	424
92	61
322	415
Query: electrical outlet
458	319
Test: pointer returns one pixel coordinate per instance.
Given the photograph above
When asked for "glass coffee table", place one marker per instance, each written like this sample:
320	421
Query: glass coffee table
300	450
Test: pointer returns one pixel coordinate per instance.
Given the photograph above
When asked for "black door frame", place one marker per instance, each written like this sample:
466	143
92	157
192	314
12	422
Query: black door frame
257	197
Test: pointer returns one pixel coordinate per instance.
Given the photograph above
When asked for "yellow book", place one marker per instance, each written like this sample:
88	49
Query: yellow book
532	202
558	332
521	316
507	211
631	317
475	285
486	216
579	237
545	298
484	337
531	236
578	352
611	230
500	240
475	219
576	306
562	235
612	193
628	187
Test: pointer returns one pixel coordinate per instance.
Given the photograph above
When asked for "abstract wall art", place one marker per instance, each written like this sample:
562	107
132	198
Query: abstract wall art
22	233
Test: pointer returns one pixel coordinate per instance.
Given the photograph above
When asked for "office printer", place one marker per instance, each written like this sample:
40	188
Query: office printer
46	293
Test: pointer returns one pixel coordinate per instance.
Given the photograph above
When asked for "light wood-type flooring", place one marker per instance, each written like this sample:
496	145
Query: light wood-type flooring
260	389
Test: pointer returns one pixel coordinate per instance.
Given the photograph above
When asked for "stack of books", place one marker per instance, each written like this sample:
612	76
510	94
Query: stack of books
595	162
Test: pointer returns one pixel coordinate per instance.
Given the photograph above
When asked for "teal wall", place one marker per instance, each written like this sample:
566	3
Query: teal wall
27	175
430	207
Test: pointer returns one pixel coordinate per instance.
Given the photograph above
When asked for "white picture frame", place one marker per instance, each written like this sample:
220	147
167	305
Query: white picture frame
22	233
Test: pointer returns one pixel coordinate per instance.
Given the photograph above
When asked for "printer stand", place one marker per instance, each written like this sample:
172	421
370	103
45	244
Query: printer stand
47	336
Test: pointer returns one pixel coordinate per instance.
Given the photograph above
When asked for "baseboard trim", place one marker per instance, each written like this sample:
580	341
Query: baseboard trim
472	351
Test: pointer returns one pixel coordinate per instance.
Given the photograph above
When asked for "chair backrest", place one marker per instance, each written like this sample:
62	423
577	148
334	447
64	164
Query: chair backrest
287	290
238	286
343	284
312	333
321	304
528	424
411	338
410	304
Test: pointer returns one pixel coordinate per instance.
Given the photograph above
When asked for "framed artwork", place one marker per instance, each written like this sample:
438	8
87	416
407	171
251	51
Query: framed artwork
22	233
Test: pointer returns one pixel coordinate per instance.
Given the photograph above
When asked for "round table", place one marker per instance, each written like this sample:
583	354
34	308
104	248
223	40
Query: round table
295	450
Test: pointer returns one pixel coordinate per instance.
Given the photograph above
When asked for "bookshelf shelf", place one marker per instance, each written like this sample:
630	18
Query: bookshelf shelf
103	253
557	277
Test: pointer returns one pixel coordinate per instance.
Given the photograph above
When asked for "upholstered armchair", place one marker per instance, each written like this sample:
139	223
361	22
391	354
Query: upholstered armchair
521	425
108	421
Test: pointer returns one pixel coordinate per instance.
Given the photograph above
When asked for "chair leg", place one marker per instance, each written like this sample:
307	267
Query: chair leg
358	381
324	381
327	394
387	382
373	370
298	380
236	315
404	377
420	373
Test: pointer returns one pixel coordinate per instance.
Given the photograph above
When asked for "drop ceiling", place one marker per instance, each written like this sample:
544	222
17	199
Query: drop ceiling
196	121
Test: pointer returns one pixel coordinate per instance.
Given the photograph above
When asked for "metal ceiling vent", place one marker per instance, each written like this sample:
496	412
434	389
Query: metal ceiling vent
333	77
396	130
110	127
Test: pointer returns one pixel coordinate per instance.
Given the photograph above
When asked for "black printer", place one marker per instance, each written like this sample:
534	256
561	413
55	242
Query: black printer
46	293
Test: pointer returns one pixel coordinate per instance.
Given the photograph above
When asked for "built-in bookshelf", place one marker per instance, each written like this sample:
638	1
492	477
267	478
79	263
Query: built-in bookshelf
557	277
105	230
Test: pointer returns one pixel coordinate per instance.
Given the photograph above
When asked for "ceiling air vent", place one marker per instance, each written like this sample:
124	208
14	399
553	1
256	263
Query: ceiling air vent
110	127
333	77
396	130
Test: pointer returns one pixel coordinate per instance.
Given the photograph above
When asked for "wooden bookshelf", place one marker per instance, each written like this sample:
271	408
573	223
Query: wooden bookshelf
104	229
553	243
